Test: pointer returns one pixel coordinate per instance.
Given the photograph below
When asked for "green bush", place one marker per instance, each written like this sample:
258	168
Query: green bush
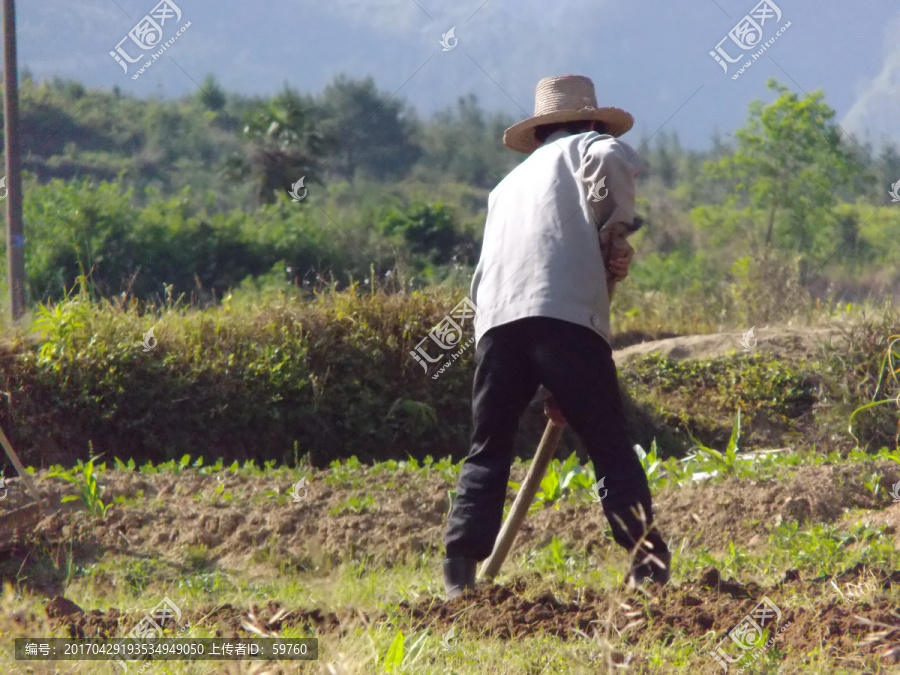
323	374
76	228
276	372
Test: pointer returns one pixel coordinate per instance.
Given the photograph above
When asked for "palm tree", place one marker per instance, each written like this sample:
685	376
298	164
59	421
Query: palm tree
284	145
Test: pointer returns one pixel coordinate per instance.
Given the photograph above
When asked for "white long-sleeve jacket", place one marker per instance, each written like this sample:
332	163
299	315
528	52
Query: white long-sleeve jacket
541	252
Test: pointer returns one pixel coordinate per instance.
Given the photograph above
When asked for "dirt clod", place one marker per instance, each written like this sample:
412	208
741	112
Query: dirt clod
60	606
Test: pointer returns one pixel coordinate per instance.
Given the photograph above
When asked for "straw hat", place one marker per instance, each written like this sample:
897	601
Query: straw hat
565	98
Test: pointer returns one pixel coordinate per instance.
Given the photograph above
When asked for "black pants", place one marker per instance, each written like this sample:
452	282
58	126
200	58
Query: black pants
576	366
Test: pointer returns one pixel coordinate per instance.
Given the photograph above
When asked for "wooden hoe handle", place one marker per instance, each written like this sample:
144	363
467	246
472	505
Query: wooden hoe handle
519	510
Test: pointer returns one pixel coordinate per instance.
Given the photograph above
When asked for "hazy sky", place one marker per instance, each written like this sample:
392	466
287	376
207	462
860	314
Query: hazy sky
651	58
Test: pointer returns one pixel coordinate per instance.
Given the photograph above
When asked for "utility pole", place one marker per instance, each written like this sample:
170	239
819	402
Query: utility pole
15	239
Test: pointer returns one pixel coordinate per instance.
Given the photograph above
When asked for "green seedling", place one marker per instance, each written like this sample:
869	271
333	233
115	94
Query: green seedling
354	504
873	485
727	461
561	478
82	476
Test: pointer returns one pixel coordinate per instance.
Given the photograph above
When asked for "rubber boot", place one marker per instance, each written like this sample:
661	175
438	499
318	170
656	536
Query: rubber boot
459	575
651	561
650	557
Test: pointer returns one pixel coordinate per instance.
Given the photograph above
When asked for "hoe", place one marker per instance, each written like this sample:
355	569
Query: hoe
25	516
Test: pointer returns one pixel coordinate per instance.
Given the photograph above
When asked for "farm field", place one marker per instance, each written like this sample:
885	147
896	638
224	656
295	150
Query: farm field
353	557
247	276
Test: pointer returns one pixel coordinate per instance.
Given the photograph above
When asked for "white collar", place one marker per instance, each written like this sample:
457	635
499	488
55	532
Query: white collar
562	133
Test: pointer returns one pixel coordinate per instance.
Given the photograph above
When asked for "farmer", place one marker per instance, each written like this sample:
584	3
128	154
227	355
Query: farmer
542	293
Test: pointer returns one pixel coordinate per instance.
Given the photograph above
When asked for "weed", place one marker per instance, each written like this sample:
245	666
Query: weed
557	558
403	652
197	556
864	369
827	549
890	369
138	574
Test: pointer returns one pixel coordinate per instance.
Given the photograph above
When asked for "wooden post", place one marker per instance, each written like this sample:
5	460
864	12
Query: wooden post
15	238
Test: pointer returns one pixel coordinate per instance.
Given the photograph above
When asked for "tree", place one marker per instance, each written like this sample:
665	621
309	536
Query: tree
366	130
664	161
428	229
889	170
211	94
285	144
790	163
468	144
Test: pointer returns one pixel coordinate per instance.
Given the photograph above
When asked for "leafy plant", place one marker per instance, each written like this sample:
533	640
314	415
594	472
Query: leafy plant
60	324
404	651
83	477
354	504
122	466
650	460
551	486
573	476
560	479
725	462
393	658
873	484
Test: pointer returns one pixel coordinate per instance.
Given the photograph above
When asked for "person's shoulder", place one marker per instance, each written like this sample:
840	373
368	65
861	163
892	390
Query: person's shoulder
605	144
501	187
608	148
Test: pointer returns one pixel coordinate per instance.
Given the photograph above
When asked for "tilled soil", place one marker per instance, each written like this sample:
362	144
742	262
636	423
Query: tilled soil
407	514
691	609
168	515
527	607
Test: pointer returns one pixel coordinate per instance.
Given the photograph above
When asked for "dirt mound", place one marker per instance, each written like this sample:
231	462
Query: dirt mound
391	516
225	620
690	610
889	518
784	341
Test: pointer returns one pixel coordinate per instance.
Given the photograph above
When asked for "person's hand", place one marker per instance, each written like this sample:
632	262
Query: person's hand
617	252
552	411
618	267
